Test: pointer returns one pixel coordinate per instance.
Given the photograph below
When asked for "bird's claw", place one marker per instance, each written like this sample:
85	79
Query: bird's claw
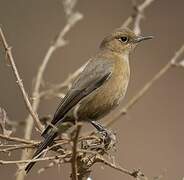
108	139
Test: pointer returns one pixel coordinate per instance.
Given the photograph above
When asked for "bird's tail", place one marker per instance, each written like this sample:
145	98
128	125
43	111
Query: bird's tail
43	145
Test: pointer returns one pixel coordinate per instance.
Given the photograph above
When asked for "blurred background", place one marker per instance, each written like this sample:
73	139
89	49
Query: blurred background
150	136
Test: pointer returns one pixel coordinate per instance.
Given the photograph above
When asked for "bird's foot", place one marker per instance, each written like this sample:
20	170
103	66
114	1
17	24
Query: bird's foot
108	137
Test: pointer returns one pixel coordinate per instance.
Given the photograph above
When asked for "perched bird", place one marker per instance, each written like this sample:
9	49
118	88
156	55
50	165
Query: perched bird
98	89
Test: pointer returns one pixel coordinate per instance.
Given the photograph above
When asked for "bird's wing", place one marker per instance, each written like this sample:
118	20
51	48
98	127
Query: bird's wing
92	77
96	72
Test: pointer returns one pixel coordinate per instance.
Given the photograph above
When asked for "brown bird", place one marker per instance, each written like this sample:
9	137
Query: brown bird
98	89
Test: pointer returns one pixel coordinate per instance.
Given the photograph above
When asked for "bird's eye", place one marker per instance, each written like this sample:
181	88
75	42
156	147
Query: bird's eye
124	39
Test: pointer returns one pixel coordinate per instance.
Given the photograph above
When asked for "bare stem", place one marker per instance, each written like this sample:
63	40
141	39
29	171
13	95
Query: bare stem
17	147
34	160
72	19
65	84
137	15
74	175
16	139
135	173
19	80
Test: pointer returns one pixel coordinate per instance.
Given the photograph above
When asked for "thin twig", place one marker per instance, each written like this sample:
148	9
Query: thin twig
140	14
134	174
117	167
16	139
59	42
18	147
137	15
74	174
35	160
19	80
65	84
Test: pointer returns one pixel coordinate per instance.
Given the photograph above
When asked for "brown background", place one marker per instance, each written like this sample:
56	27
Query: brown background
151	135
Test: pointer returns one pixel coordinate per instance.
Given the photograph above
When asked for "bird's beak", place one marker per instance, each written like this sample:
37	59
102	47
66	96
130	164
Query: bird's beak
138	39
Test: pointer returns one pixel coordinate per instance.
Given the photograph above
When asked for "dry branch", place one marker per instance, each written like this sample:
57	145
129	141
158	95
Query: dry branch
137	15
74	174
86	158
136	173
19	80
34	160
16	139
53	91
72	19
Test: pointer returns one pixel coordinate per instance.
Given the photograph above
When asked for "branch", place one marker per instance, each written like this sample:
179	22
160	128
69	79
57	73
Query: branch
35	160
137	15
87	158
59	42
72	19
19	80
16	139
17	147
136	173
74	174
66	84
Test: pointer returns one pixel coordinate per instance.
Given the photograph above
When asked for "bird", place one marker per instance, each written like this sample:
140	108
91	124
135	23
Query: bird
98	89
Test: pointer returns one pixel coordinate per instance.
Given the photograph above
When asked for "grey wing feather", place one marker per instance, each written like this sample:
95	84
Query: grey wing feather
93	76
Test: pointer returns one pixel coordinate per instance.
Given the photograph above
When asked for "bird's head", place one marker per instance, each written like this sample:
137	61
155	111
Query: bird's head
122	40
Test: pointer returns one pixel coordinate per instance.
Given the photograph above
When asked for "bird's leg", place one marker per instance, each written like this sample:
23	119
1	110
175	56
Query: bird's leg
98	126
109	137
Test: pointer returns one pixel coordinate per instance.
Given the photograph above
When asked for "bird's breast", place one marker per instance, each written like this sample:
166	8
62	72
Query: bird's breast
109	95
